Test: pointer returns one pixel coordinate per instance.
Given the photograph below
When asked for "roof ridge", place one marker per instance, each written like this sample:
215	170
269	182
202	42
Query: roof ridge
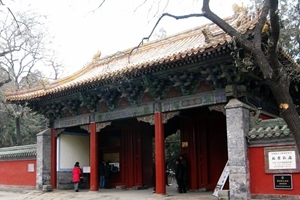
12	148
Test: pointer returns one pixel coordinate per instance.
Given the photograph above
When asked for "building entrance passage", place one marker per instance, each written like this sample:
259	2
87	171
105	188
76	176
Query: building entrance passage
109	148
204	144
122	145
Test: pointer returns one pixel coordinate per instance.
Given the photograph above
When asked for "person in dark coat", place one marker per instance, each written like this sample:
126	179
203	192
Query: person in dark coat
102	173
153	180
107	173
179	174
186	171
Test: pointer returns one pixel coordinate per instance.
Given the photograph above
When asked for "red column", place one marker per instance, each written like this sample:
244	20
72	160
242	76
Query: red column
160	154
53	158
94	174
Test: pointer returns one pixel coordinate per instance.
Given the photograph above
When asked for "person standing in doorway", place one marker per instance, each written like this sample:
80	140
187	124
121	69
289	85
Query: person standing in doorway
186	170
107	173
102	174
179	173
153	179
76	176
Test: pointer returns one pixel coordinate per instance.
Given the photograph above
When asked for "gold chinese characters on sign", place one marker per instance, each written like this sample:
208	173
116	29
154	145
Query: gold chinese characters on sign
184	144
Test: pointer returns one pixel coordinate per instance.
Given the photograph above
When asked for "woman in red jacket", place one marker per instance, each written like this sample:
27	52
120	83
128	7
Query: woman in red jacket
76	176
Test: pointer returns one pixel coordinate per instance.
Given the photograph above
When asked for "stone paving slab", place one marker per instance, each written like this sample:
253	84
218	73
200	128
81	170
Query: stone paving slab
106	194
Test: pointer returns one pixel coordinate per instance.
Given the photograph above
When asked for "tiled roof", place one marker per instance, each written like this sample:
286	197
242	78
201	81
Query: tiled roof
176	47
268	129
18	151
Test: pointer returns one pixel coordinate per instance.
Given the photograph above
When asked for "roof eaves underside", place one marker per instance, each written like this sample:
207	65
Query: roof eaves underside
167	50
30	95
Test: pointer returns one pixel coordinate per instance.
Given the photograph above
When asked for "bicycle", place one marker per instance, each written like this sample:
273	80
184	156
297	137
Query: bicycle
171	178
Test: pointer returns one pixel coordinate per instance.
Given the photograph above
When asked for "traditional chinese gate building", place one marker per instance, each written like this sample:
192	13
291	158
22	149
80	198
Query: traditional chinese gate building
116	107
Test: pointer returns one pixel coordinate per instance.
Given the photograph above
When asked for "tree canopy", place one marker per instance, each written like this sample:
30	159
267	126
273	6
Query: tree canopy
22	54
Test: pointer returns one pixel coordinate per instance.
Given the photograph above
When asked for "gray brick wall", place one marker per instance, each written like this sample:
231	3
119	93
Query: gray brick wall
43	159
64	181
237	120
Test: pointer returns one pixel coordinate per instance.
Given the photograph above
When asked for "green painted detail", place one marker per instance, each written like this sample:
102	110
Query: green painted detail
255	118
111	97
157	88
133	111
72	121
91	101
72	105
173	104
132	92
146	80
272	128
186	82
52	110
196	100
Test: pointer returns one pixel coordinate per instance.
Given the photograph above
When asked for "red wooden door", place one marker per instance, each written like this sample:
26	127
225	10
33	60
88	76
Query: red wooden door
205	135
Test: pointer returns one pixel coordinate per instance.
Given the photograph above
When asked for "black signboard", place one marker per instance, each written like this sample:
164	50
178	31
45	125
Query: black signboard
283	181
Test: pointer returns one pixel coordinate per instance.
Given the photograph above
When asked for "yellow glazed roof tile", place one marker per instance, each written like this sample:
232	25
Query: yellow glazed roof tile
161	51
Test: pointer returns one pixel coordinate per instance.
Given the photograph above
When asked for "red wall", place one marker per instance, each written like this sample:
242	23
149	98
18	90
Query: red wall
16	173
261	183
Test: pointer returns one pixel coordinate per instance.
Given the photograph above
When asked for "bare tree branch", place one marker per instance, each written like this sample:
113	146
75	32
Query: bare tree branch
12	14
140	5
224	25
275	27
248	45
260	24
103	1
164	15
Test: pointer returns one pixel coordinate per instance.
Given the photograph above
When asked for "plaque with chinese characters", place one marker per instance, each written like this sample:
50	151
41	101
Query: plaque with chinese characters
281	160
283	181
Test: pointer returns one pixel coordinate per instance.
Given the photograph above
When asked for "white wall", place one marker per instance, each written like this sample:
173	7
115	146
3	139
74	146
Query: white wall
72	148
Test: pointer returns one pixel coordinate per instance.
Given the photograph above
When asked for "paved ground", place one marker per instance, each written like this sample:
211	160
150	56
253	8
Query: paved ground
105	194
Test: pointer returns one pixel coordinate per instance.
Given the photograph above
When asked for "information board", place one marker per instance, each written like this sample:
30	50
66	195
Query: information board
283	182
222	180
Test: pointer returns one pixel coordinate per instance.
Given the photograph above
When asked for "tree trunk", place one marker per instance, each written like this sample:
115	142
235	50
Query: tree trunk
18	130
287	109
273	71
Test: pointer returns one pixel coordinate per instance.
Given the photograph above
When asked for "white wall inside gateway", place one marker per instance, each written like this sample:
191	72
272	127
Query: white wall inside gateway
73	148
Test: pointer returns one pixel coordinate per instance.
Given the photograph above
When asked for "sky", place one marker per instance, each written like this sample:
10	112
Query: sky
80	28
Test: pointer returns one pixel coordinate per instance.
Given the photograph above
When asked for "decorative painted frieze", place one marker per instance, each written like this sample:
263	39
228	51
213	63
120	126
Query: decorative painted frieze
156	87
124	113
166	106
151	118
201	99
186	82
52	110
91	101
148	119
99	126
72	121
71	105
111	97
133	93
102	125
